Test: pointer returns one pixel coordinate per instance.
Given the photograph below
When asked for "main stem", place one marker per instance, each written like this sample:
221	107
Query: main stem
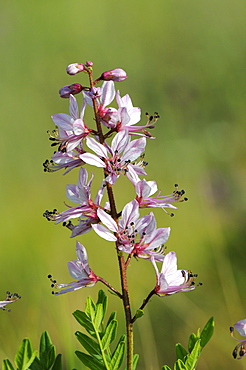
121	260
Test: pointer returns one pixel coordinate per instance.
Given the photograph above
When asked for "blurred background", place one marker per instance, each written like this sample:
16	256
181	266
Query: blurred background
185	60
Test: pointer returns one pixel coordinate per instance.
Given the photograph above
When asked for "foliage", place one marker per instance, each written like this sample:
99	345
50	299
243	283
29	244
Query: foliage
97	344
27	359
187	360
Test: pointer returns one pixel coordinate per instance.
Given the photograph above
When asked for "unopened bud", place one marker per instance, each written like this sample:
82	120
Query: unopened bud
89	64
67	90
117	74
75	68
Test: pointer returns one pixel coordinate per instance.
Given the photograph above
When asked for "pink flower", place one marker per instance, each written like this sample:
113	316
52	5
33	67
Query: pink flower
136	236
10	298
72	129
117	159
146	189
79	270
171	280
240	348
67	160
85	212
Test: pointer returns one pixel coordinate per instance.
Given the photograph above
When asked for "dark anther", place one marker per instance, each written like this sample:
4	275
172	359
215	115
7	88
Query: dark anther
147	113
52	292
151	118
49	276
234	353
185	199
64	223
145	163
52	285
172	214
118	160
231	329
132	223
175	185
242	351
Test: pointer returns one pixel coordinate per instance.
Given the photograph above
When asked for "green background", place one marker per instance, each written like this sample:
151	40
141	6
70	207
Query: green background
186	60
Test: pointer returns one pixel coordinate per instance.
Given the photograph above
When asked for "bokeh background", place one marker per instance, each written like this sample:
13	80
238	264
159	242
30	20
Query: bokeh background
186	60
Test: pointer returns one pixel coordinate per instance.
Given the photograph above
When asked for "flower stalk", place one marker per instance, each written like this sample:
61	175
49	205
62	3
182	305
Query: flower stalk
133	235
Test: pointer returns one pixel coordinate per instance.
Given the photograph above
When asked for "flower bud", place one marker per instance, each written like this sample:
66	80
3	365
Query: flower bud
75	68
117	74
89	64
67	90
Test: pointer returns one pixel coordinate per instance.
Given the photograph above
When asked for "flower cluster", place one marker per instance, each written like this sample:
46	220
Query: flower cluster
115	144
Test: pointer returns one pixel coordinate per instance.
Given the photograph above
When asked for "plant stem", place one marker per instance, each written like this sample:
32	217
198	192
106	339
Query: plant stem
145	301
121	260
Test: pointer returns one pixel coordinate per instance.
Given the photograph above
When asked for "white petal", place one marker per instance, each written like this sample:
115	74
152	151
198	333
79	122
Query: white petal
98	148
73	108
107	220
104	233
92	159
63	121
108	93
120	141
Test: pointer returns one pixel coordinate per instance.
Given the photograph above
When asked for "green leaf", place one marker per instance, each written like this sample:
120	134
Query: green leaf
165	367
103	299
47	353
84	321
58	363
6	365
118	356
207	332
98	316
135	361
25	355
90	308
179	365
181	352
192	341
89	361
36	364
88	343
110	334
193	357
112	317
